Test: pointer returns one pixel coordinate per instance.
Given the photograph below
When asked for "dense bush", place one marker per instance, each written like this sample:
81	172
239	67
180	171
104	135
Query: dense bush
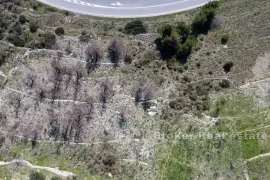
225	39
177	40
48	40
36	176
177	104
60	31
184	30
16	40
33	26
228	66
185	49
202	21
22	19
135	27
128	59
166	30
180	40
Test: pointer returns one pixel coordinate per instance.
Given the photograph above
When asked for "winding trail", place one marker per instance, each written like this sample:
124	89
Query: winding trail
25	163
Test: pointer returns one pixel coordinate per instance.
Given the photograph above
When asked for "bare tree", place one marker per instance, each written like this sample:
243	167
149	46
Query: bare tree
56	76
68	49
54	128
29	78
127	57
89	108
143	93
73	123
148	93
16	101
79	73
93	56
122	117
106	91
115	50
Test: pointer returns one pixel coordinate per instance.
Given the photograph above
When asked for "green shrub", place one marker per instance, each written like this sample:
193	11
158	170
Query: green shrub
184	30
225	39
166	30
16	40
36	176
177	104
224	84
22	19
203	20
228	66
184	50
60	31
48	40
128	59
135	27
33	26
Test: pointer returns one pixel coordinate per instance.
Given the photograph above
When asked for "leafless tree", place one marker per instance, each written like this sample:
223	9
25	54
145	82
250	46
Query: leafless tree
73	124
139	91
147	96
15	100
56	76
115	50
143	93
106	91
89	108
93	56
54	128
30	78
122	117
68	49
79	73
127	57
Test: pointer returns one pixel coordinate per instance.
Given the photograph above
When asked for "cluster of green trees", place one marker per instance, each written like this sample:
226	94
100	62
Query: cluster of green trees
180	40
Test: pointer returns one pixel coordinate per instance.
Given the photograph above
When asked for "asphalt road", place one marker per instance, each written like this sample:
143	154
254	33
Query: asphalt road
125	8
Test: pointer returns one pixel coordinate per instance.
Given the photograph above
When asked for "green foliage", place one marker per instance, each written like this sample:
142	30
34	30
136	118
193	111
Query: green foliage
203	20
185	49
184	30
180	40
135	27
60	31
166	30
33	26
16	40
36	176
48	40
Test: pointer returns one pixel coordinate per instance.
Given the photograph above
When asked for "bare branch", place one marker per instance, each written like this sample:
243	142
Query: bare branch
93	56
115	50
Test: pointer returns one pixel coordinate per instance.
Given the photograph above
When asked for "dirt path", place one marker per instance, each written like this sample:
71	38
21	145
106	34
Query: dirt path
55	171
